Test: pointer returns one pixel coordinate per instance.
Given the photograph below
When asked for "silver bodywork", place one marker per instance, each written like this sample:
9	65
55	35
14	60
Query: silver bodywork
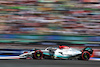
61	53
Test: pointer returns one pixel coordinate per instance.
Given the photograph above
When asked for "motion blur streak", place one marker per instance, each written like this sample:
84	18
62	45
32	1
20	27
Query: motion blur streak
28	23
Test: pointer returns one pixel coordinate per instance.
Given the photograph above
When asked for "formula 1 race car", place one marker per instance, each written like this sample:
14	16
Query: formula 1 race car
62	52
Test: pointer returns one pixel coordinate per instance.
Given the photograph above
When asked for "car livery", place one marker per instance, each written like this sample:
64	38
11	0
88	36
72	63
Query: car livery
63	52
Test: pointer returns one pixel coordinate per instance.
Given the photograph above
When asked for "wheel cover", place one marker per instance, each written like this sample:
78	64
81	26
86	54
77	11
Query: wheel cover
85	55
38	54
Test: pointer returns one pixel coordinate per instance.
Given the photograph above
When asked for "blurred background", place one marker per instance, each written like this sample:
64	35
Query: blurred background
25	24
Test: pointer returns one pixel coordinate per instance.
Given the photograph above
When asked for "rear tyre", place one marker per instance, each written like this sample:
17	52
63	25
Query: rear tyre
38	54
85	55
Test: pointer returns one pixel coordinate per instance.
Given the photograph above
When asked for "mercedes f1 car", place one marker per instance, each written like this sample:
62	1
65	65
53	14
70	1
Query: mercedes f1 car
62	52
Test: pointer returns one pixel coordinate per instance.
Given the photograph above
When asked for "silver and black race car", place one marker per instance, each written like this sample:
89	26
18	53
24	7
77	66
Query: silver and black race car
63	52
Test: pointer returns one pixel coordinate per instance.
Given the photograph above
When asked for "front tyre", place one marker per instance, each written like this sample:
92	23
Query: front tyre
38	54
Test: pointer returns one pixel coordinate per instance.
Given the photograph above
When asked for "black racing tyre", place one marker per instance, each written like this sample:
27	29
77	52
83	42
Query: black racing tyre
38	54
85	55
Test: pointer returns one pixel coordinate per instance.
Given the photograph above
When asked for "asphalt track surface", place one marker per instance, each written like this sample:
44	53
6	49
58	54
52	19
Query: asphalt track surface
48	63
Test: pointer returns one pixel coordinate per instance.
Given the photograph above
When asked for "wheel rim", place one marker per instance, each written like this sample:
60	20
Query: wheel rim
85	55
38	54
